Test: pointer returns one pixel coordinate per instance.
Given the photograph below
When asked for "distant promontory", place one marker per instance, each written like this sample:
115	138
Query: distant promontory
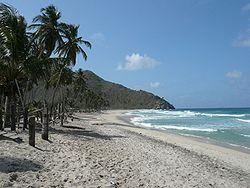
120	97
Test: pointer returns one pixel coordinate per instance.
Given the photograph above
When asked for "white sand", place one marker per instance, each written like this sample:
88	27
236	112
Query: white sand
235	158
100	151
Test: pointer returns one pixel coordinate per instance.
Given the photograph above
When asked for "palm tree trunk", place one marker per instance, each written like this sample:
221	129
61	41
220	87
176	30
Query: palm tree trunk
25	109
32	124
25	118
41	116
45	127
58	110
1	114
57	85
53	112
13	113
18	116
6	112
62	115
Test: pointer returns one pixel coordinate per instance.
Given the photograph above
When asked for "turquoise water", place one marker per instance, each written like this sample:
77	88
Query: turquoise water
226	125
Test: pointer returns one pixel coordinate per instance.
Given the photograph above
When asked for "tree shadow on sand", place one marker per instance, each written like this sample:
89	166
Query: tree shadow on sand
82	133
17	140
73	127
10	164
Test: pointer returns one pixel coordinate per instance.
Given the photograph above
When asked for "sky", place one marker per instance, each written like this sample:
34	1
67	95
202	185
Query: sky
194	53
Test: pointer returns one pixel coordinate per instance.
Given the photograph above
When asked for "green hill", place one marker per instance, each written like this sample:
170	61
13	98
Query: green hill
120	97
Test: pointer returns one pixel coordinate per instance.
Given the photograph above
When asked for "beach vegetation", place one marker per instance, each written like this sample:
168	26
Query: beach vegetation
36	69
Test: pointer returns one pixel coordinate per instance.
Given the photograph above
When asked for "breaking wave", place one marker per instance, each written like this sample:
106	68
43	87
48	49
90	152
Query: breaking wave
244	120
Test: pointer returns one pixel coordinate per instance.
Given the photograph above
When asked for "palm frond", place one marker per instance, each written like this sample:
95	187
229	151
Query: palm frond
86	43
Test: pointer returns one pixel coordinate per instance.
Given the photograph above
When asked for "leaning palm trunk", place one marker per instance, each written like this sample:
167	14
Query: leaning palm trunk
45	127
56	88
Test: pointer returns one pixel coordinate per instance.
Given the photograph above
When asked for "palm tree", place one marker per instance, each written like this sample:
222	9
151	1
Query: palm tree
33	69
48	37
72	46
80	84
47	30
59	39
13	53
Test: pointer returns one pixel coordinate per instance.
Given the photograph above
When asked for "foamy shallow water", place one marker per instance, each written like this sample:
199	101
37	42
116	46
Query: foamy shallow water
226	125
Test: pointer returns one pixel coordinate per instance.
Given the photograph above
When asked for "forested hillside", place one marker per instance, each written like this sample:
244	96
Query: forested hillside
120	97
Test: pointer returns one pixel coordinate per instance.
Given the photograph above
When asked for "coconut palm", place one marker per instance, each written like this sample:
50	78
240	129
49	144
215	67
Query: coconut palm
69	49
80	84
59	39
34	71
47	53
13	53
72	46
48	37
46	30
20	66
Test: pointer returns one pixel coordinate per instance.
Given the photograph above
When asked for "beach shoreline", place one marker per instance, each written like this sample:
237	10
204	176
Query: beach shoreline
100	149
127	119
201	145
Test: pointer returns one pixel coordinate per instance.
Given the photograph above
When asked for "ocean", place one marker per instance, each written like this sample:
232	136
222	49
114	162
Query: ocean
229	126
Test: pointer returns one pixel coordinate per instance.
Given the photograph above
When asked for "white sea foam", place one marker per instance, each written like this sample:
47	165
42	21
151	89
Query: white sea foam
138	121
143	116
143	124
160	114
182	114
185	122
244	120
185	128
245	135
236	145
185	113
223	115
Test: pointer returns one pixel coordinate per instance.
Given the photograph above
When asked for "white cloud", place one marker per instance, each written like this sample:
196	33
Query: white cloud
155	84
234	74
246	7
136	61
242	43
243	40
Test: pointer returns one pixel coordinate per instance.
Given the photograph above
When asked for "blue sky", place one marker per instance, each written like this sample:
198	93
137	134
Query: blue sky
195	53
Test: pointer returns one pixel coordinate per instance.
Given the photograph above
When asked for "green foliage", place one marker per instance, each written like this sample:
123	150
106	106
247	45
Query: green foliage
14	49
36	61
120	97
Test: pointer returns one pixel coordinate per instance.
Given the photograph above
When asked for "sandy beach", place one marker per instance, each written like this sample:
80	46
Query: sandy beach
102	150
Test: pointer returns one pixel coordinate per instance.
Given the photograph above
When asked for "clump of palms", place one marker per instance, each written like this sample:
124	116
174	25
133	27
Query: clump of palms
14	55
44	55
60	40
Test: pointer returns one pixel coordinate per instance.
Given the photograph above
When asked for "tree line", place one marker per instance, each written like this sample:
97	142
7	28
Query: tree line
36	69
